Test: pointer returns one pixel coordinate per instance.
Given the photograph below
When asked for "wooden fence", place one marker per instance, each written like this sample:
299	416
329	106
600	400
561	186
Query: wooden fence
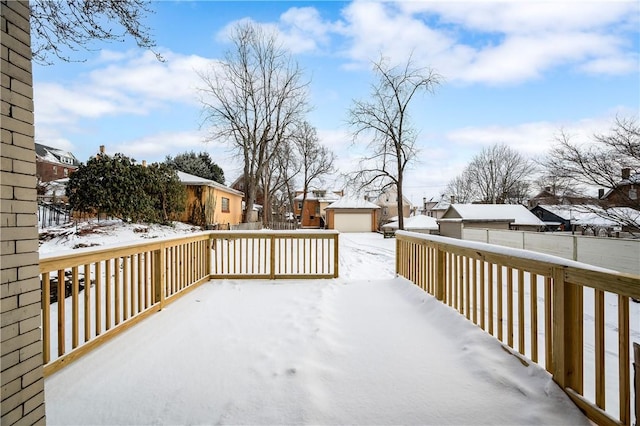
107	290
569	317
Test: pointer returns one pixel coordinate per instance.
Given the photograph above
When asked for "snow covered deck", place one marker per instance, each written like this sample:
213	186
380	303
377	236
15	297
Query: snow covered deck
366	348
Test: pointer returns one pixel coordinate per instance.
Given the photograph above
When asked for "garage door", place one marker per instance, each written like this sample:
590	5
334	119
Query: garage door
352	222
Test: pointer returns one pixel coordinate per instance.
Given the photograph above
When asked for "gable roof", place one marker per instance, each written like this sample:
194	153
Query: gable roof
55	155
352	203
514	213
192	180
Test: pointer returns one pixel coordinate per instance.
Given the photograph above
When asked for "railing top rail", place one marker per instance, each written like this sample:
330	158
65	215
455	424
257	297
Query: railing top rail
69	258
317	233
52	261
582	273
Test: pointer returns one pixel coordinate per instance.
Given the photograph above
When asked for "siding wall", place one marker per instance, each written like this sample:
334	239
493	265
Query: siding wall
21	375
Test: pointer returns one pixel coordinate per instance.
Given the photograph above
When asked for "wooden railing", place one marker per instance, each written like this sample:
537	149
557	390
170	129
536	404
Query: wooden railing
275	254
107	290
571	318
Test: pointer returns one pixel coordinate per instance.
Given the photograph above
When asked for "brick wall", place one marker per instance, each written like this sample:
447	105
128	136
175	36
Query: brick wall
21	374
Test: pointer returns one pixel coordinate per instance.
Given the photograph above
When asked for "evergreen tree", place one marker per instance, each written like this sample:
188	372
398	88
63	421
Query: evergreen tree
199	165
119	187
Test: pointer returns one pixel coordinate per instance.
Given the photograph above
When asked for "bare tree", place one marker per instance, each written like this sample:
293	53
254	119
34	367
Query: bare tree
58	26
315	159
500	175
251	99
462	188
385	117
600	161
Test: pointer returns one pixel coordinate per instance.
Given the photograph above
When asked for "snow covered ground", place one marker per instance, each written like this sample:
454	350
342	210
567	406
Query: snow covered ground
367	348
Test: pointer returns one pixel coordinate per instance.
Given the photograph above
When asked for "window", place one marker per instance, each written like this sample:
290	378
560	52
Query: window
225	205
633	194
66	172
55	170
299	205
318	209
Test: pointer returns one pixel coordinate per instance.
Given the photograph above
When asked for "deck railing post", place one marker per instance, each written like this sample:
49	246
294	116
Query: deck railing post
272	258
441	270
159	276
398	253
208	256
567	332
336	259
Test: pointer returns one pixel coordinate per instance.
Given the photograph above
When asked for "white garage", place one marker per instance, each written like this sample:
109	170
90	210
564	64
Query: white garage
352	215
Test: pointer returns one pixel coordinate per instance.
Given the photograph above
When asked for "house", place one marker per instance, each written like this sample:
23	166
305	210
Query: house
625	193
53	163
210	203
427	206
388	203
312	214
493	216
438	210
421	223
258	202
588	219
546	197
352	215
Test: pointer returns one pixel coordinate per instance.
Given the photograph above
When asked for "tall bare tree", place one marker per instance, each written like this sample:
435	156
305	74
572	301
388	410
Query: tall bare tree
61	26
251	99
599	162
501	175
462	188
315	159
384	117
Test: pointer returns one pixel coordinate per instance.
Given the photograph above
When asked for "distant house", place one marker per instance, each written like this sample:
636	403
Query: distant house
210	203
388	203
493	216
625	193
588	219
439	209
54	163
420	223
352	215
258	202
312	214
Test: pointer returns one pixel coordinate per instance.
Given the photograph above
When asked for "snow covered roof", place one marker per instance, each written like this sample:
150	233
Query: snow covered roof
326	197
352	203
188	179
441	205
591	214
415	223
514	213
55	155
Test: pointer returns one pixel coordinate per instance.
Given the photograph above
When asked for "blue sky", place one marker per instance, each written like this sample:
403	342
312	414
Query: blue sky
514	73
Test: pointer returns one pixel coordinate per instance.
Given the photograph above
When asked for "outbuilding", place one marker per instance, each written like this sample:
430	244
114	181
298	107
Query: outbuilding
352	215
492	216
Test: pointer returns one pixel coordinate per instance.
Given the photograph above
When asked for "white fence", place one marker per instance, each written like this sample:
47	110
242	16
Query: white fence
619	254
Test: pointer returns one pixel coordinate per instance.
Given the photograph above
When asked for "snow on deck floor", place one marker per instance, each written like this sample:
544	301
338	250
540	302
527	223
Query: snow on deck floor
366	348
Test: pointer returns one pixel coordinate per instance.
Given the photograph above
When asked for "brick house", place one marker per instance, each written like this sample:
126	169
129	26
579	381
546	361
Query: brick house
53	163
625	193
313	214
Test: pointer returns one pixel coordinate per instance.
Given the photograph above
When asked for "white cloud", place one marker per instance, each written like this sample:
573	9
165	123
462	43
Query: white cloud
496	43
122	84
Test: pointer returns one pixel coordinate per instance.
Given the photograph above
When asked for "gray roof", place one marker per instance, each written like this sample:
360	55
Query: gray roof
187	179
